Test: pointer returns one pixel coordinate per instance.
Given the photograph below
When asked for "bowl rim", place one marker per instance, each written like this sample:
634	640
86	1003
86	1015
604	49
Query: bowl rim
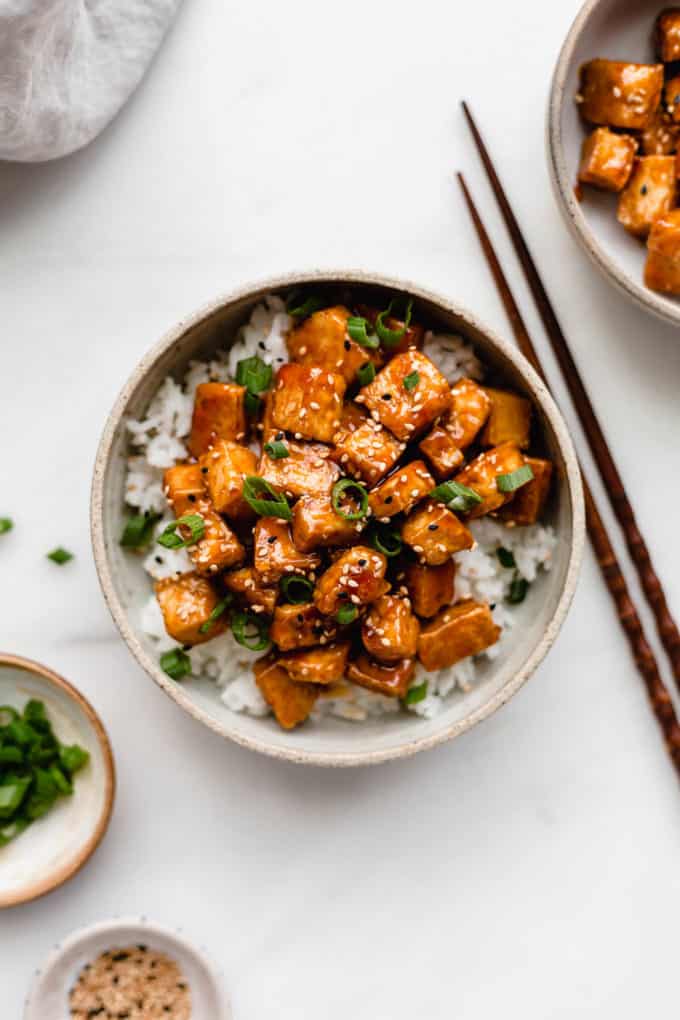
562	179
61	875
572	477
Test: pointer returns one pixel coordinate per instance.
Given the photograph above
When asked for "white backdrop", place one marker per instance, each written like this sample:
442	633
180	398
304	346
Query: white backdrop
530	868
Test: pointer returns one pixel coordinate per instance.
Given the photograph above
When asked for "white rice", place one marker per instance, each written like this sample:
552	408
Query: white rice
158	441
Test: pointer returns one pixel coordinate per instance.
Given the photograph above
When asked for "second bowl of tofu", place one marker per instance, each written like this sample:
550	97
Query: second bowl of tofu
613	137
336	519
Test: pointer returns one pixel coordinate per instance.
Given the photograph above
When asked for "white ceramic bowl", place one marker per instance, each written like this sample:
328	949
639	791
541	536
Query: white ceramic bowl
616	30
334	741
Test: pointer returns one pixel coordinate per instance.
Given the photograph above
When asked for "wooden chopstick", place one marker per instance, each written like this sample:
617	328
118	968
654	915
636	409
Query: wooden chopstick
629	619
613	483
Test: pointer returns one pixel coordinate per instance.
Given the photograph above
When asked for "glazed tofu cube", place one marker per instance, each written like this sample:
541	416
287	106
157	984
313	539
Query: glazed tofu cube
219	413
308	468
481	475
317	665
224	468
268	430
356	576
413	337
402	490
607	159
457	632
407	395
247	583
650	194
186	604
275	554
662	271
368	452
430	588
660	138
290	702
620	94
352	417
300	626
307	401
390	630
322	340
219	548
509	420
528	503
672	98
470	408
667	35
316	524
435	533
183	486
441	450
393	680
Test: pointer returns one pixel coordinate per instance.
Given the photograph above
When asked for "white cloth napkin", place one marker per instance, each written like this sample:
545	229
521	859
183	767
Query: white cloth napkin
68	66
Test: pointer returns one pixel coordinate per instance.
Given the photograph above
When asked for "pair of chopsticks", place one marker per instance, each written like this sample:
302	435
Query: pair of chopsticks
629	619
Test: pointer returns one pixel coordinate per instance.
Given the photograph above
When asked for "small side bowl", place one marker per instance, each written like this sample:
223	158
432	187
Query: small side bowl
333	741
617	30
55	848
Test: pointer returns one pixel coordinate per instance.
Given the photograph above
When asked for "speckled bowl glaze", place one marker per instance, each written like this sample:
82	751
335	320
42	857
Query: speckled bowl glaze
616	30
334	741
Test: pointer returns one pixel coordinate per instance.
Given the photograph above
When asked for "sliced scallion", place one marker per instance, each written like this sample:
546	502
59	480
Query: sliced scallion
276	449
518	590
416	694
386	540
299	307
60	556
348	489
176	663
252	404
411	381
216	613
361	332
505	557
296	589
515	479
456	496
169	539
274	505
6	524
138	530
391	337
250	630
346	614
366	373
254	373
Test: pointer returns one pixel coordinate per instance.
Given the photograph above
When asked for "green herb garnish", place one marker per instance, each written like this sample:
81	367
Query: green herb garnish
254	373
456	496
276	449
296	589
518	589
250	630
171	540
366	373
6	524
416	694
411	381
514	479
299	307
60	556
361	332
386	540
138	530
391	337
274	505
176	663
216	613
505	557
346	614
252	403
347	488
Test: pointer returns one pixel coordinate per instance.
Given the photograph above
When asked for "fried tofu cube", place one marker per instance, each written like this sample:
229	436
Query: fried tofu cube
275	554
457	428
435	533
248	583
407	395
368	452
607	159
509	420
401	491
183	486
307	401
441	450
650	193
430	588
219	413
662	271
352	417
315	524
219	548
620	94
528	502
224	468
356	576
660	137
322	665
672	98
455	633
413	335
290	702
300	626
308	468
322	340
482	473
393	680
667	35
390	630
186	604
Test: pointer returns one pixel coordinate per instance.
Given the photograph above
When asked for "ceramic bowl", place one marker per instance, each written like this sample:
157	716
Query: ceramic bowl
57	846
335	741
616	30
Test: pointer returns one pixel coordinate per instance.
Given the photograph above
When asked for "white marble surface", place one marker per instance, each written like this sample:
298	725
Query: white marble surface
529	869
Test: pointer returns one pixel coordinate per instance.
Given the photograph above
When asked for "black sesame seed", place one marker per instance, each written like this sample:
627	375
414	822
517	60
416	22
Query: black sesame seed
388	499
279	435
119	957
432	527
192	498
158	559
347	345
300	618
262	345
204	471
643	189
387	396
362	563
272	538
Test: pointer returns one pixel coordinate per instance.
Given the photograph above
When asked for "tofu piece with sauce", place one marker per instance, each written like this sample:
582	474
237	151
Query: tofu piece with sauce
660	137
357	576
481	475
528	502
435	533
414	334
650	193
307	401
662	270
455	633
407	395
620	93
300	626
247	583
186	604
316	524
430	588
219	413
368	452
607	159
275	554
392	680
219	548
667	35
390	630
457	428
672	98
308	468
224	468
322	665
402	490
509	420
322	340
290	702
439	446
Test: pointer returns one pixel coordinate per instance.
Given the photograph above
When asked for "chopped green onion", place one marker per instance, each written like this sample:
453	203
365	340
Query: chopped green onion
138	530
297	589
254	373
251	403
275	505
60	556
176	663
411	381
505	557
6	524
518	590
299	307
73	758
361	332
171	540
456	496
250	630
386	540
346	614
366	373
391	337
347	488
216	613
416	694
276	449
514	479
